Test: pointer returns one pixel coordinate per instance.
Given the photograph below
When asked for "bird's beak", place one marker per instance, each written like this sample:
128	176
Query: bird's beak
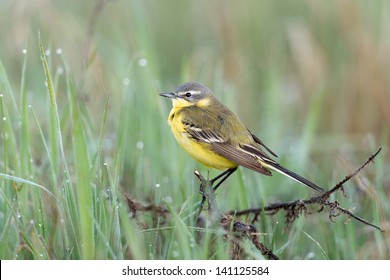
171	95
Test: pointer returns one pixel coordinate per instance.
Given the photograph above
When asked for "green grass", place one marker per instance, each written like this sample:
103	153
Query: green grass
82	124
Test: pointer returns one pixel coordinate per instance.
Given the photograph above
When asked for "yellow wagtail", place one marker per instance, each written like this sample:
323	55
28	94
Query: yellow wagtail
214	136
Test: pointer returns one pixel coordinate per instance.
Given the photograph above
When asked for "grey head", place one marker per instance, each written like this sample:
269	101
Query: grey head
190	91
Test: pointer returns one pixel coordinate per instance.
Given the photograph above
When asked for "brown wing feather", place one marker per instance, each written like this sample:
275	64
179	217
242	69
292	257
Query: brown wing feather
239	156
257	151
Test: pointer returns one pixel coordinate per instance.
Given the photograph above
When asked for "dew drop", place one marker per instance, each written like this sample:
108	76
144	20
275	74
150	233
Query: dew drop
310	255
175	254
24	51
60	70
157	185
126	81
59	51
47	52
140	145
142	62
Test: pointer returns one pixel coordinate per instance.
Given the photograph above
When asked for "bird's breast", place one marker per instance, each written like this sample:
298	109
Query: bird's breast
202	152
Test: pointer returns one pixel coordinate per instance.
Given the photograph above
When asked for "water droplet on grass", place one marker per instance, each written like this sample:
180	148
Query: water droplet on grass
60	70
142	62
310	255
140	145
175	254
59	51
24	51
126	81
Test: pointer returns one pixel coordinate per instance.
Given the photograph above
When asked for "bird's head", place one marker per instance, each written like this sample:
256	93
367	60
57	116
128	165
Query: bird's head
190	94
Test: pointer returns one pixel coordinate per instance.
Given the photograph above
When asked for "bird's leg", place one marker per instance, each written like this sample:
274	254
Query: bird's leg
222	177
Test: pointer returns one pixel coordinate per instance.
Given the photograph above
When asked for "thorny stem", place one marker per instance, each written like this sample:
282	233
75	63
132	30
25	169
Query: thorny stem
295	208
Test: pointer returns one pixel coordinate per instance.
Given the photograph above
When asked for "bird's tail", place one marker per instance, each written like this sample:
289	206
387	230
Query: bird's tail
278	168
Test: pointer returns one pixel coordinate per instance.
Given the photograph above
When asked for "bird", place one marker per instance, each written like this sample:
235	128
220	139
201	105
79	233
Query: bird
214	136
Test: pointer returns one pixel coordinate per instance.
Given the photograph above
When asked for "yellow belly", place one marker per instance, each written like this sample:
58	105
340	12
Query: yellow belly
199	151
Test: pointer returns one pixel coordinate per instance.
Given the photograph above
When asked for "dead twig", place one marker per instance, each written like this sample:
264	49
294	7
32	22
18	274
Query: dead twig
297	207
136	206
230	220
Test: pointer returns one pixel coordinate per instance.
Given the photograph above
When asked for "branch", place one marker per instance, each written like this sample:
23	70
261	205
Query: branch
136	206
296	208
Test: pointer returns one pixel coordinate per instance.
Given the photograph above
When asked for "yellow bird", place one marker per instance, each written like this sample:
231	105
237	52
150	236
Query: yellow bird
214	136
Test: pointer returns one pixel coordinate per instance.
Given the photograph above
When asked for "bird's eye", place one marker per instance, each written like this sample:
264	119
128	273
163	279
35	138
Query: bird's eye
188	94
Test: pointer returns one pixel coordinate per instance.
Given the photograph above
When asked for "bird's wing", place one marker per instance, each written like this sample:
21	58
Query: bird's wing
240	156
258	141
245	155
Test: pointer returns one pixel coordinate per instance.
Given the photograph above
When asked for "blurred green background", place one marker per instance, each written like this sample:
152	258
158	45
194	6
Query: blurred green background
310	78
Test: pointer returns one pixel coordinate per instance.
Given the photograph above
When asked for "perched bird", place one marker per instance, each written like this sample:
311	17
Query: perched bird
214	136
